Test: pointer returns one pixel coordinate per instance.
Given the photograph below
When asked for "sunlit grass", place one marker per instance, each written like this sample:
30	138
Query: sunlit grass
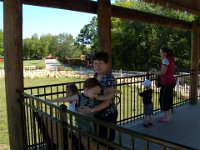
28	63
1	65
130	105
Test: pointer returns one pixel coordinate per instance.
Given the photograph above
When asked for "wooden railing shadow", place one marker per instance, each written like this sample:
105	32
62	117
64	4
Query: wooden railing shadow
52	133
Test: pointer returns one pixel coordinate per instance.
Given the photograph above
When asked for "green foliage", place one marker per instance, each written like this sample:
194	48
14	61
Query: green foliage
136	45
75	62
62	68
34	48
61	46
41	66
88	37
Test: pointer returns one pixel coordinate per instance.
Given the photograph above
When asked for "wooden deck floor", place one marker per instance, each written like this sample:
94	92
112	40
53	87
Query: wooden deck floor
183	129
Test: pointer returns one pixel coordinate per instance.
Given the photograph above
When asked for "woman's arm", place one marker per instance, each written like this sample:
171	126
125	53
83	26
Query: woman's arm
66	99
163	70
108	96
105	103
164	67
101	106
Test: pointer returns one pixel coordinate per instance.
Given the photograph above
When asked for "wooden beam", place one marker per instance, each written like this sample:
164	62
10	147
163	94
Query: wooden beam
178	5
104	29
86	6
137	15
14	71
116	11
194	64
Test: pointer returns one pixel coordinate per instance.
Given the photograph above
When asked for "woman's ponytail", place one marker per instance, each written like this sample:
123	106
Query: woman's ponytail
168	51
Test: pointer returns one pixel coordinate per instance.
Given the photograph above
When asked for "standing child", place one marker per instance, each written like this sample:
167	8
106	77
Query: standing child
71	90
147	101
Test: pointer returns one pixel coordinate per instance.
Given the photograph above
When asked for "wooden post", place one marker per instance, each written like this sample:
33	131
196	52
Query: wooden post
194	63
104	28
14	71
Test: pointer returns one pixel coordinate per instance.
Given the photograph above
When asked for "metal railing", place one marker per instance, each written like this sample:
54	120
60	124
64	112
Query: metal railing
130	107
53	127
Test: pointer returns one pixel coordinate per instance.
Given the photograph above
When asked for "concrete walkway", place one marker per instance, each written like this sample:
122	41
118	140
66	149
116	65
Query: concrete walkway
52	64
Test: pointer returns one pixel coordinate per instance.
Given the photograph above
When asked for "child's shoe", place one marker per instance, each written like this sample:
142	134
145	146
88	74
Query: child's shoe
150	124
145	125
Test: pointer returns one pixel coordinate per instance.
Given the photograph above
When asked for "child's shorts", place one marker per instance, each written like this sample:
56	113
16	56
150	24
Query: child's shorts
148	109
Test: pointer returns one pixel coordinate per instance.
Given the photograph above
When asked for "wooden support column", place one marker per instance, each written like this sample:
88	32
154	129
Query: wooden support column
14	71
194	63
104	28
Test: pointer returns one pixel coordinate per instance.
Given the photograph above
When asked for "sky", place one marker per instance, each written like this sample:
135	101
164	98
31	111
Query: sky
43	20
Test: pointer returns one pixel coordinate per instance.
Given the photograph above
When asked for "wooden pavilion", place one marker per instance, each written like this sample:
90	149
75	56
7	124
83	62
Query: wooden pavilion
13	20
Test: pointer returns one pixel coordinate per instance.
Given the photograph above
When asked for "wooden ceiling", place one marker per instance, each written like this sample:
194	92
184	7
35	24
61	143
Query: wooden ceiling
192	6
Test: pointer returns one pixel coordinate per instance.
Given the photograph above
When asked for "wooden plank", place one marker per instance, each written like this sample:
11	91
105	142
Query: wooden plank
14	71
137	15
86	6
116	11
194	64
104	29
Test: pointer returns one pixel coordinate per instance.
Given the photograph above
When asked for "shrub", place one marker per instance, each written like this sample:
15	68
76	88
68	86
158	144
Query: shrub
41	66
75	62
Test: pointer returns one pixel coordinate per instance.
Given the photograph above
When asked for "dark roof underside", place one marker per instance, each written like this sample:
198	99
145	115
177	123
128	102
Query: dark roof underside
192	6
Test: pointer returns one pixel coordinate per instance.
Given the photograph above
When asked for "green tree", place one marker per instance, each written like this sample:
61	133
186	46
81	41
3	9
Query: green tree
136	45
46	41
32	47
35	47
26	48
63	46
88	37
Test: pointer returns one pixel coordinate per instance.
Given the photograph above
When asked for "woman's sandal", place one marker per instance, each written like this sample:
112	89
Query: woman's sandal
164	120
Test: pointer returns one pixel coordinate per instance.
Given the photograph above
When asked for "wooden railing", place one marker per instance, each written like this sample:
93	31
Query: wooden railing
130	107
53	127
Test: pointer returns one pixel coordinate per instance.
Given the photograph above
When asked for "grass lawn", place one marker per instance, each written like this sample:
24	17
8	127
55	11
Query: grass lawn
33	62
28	63
1	65
27	82
131	103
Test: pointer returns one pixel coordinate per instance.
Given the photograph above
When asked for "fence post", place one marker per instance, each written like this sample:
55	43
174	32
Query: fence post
63	129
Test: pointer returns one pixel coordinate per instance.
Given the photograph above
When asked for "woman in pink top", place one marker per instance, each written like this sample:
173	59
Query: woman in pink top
168	83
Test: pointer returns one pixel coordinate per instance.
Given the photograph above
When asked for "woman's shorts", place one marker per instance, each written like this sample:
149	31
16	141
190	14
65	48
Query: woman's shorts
166	97
148	109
